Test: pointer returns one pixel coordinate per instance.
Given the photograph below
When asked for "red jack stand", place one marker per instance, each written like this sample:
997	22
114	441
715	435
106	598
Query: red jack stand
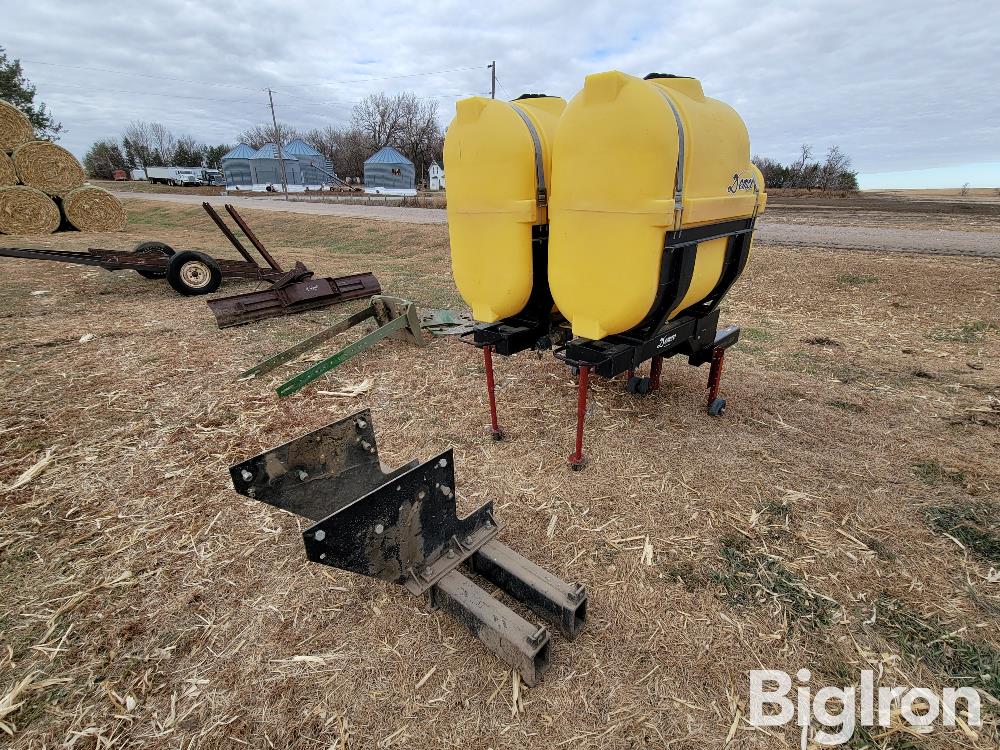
716	405
655	368
495	431
576	461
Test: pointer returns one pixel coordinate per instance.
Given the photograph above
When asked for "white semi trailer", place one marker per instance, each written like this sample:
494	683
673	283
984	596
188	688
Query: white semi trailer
182	176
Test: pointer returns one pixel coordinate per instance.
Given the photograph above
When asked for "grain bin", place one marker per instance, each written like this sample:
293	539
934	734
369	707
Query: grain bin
635	159
497	156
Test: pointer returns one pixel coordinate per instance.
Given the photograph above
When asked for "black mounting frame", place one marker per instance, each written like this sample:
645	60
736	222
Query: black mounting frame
533	327
402	526
694	333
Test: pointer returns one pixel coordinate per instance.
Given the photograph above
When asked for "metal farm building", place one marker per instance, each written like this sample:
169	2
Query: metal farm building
236	167
315	168
388	172
267	170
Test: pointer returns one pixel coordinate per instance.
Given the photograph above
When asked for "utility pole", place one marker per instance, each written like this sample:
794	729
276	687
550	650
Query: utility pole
493	79
277	137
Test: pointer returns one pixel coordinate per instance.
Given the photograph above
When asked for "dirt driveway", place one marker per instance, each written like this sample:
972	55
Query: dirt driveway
878	238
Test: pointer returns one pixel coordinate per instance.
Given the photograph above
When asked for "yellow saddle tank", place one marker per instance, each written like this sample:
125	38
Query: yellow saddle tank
632	159
497	156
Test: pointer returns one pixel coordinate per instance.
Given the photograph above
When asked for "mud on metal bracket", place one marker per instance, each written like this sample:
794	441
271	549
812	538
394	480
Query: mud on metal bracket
402	526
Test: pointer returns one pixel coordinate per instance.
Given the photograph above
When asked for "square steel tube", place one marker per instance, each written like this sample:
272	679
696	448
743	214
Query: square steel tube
503	631
561	604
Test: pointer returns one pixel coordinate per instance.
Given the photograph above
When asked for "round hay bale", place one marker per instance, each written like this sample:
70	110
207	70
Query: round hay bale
15	128
24	210
91	209
48	167
8	176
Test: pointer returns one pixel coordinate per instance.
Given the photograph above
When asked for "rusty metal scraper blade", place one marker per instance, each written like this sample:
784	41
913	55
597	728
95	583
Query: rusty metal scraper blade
294	297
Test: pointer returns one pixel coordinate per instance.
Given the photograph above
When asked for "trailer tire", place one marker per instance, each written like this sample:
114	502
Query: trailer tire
153	247
192	273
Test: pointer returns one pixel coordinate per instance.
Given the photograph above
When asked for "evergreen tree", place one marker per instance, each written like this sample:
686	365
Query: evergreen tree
103	158
18	90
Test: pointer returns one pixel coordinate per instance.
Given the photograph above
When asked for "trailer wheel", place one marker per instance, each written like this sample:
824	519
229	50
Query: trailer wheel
192	273
154	247
717	408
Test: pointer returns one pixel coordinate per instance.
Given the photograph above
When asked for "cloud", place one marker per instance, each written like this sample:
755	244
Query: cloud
899	86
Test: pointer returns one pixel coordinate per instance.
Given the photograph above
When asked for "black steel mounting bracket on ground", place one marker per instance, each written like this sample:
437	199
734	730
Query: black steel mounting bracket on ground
402	526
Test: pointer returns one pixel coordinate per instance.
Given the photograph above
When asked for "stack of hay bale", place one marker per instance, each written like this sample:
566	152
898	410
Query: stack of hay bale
42	185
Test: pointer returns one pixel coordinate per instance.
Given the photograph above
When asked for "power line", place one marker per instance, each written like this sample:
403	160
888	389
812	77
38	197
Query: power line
237	86
141	75
153	93
382	78
313	102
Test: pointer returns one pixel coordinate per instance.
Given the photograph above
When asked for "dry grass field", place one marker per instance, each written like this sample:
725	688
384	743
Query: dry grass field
843	515
141	186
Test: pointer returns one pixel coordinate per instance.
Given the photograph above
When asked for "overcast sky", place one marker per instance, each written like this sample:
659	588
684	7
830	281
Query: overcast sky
908	87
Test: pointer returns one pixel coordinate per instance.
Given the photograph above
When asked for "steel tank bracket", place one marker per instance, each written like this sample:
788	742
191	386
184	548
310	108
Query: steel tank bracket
402	526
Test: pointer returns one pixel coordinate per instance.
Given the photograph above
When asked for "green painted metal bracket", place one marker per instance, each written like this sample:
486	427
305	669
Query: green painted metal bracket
310	343
319	369
397	318
446	322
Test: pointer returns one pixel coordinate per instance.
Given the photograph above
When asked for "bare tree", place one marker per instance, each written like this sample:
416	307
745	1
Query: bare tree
965	190
834	174
346	149
420	135
379	116
799	170
258	135
402	121
137	140
837	164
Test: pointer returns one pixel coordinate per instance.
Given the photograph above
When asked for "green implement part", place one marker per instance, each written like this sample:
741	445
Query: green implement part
446	322
397	318
310	343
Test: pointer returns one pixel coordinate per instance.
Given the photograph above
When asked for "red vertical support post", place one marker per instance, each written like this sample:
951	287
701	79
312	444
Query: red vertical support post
655	367
576	460
715	375
495	430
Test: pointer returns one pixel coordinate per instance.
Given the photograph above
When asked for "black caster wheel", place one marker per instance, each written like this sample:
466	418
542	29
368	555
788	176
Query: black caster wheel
638	386
575	370
717	408
497	435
